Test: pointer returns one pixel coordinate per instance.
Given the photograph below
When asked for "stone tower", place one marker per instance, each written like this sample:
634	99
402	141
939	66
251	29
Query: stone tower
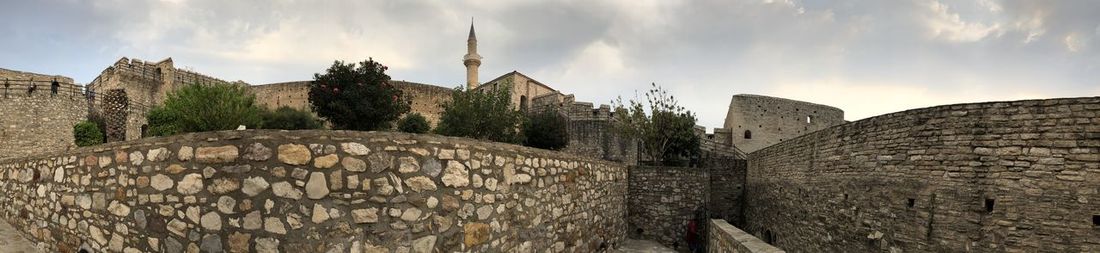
472	60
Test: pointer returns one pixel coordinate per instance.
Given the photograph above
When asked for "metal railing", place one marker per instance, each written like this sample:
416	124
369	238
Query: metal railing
39	88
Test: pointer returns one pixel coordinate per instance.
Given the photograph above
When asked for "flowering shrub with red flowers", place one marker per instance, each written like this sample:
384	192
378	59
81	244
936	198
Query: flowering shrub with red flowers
357	96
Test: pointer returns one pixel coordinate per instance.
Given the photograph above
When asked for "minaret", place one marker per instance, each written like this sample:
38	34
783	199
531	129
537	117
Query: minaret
471	60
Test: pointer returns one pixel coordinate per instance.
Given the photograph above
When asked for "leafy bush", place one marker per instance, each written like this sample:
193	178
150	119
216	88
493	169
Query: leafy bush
287	118
162	122
200	108
413	123
357	97
486	115
667	132
546	130
86	133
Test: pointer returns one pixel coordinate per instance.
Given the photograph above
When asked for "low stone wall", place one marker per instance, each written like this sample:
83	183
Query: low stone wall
662	200
314	191
725	238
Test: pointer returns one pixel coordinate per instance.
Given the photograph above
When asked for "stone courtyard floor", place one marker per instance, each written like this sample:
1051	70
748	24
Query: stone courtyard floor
12	240
642	246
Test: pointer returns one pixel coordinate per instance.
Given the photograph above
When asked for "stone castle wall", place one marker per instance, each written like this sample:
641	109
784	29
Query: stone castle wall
38	121
771	120
999	176
291	94
662	200
591	133
314	191
424	99
146	84
725	238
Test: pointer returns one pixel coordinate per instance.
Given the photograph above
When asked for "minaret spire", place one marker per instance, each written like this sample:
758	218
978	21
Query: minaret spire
472	60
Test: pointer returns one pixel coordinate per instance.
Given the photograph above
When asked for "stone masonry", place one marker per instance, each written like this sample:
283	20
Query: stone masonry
725	238
1016	176
662	200
754	121
39	121
314	191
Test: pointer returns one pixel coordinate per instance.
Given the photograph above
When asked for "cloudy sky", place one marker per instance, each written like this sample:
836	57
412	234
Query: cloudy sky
867	57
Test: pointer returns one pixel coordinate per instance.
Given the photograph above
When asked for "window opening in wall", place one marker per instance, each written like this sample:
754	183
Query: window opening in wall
845	196
910	203
748	134
769	237
809	119
989	205
523	103
1096	220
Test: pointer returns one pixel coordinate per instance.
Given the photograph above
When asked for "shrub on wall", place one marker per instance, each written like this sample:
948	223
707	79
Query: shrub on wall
357	97
86	133
480	114
413	123
667	132
208	107
546	130
287	118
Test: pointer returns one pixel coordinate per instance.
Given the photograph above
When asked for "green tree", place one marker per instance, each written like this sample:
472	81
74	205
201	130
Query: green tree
413	123
287	118
86	133
546	129
201	108
667	132
480	114
357	97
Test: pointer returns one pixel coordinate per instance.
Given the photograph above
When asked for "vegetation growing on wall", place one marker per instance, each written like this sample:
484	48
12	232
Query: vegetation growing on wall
357	96
87	133
666	132
481	114
413	123
546	130
200	108
287	118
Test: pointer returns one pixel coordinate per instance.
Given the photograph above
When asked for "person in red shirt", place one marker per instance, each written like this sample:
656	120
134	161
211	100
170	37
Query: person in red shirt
694	235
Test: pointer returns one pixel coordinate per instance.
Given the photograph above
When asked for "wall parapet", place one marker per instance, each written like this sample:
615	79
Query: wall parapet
314	190
725	238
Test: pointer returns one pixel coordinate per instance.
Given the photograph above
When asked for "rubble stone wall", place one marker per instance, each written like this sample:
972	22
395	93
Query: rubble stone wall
662	200
314	191
39	122
725	238
1015	176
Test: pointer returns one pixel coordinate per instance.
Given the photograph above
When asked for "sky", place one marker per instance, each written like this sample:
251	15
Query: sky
866	57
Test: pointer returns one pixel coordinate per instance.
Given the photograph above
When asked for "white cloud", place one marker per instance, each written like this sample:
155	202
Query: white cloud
945	24
1073	43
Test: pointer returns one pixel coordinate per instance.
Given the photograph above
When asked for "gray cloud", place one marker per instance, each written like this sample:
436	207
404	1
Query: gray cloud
867	57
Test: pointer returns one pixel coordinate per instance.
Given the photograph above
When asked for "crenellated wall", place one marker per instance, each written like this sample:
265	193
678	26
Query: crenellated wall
1015	176
314	191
